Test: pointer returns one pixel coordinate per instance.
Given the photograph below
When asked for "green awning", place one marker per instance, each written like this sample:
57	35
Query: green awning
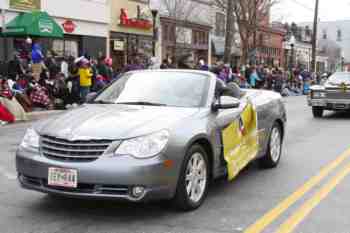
36	24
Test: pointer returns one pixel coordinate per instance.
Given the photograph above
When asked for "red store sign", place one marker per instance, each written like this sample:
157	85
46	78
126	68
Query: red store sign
125	21
69	26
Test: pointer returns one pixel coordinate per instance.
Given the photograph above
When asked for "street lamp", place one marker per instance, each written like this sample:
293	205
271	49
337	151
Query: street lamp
292	42
154	15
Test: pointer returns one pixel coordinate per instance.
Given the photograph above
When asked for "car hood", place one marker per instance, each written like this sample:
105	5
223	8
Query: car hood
112	121
333	85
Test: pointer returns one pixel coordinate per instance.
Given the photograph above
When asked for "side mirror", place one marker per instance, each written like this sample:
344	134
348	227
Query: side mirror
90	97
226	102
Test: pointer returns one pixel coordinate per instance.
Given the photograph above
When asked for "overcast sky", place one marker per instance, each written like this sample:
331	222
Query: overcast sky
302	10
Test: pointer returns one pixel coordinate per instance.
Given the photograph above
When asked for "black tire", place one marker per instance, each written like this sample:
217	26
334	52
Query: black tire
269	161
317	112
182	200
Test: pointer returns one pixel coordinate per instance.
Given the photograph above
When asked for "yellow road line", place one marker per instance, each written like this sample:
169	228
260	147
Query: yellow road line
291	223
273	214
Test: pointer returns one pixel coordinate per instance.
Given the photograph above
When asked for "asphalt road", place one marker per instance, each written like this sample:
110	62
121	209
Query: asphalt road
307	193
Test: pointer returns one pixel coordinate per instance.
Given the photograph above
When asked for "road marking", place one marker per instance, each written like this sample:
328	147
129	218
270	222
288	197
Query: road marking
291	223
7	174
273	214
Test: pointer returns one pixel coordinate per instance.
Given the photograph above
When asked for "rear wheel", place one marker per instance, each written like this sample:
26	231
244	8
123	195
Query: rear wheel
193	182
317	112
273	155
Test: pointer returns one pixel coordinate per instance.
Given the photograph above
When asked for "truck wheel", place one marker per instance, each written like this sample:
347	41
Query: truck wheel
317	112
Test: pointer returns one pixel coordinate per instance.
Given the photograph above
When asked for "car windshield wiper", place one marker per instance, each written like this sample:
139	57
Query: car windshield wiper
142	103
101	102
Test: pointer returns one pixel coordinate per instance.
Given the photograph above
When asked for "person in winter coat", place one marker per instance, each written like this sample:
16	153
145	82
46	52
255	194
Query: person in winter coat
254	78
5	115
10	103
15	69
37	59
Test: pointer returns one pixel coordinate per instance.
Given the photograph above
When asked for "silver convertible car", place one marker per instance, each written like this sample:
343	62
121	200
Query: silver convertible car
334	95
153	135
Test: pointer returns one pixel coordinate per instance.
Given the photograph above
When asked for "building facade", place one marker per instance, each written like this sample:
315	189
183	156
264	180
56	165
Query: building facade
218	35
185	29
85	33
337	33
298	52
131	31
270	46
300	56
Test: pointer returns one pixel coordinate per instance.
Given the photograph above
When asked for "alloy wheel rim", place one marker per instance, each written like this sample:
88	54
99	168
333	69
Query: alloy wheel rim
275	144
196	177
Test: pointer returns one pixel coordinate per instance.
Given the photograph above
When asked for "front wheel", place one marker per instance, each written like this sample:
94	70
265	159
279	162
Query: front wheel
274	152
317	112
193	182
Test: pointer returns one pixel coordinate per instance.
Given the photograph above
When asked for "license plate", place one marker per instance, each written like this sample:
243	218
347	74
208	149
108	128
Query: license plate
62	177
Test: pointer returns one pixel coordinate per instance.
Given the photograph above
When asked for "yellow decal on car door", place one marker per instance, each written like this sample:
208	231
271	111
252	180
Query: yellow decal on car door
240	141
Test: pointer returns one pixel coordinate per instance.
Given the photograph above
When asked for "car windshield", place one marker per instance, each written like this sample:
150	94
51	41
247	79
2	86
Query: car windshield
339	78
178	89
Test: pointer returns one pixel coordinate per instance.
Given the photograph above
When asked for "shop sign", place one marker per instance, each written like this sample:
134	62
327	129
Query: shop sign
119	45
45	26
69	26
125	21
25	4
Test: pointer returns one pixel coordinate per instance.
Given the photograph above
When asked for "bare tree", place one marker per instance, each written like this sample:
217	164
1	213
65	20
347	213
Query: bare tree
249	16
179	11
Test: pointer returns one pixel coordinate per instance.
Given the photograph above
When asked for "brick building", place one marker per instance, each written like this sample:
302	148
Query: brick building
270	49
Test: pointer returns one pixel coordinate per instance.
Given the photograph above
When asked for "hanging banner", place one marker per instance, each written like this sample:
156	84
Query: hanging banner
25	4
240	141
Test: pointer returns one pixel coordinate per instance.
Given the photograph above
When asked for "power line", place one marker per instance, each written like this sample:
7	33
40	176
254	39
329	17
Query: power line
303	5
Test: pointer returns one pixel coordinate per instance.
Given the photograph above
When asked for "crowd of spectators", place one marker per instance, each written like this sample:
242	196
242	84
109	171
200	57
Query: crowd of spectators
51	82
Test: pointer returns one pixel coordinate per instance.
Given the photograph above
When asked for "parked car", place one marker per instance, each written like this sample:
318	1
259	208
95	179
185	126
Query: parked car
161	134
333	95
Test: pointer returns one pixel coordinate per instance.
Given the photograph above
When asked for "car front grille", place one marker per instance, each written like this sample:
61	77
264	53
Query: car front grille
80	150
338	94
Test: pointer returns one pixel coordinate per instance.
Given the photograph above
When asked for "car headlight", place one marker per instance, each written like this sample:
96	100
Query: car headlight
319	95
30	139
145	146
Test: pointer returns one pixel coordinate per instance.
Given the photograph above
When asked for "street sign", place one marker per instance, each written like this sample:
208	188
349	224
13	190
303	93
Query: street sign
69	26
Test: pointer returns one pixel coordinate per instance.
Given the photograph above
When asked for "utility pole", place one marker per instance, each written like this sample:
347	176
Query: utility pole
255	28
314	38
3	27
230	30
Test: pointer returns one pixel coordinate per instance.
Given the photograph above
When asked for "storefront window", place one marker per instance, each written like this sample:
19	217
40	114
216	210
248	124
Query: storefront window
58	47
141	46
65	47
146	47
71	48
